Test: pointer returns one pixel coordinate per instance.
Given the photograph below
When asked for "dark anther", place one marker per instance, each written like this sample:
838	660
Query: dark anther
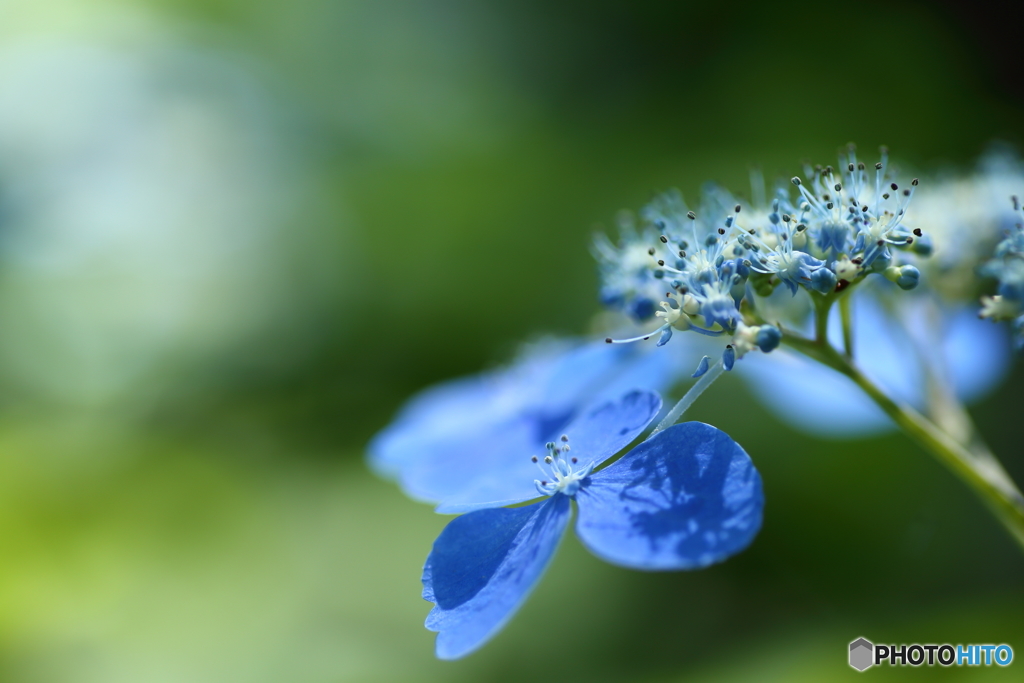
721	231
850	167
646	338
894	187
682	254
910	240
737	209
917	231
878	166
534	458
660	262
829	205
785	217
914	182
565	438
691	215
880	242
826	197
664	240
857	261
906	193
651	251
851	209
607	340
885	196
544	483
864	208
795	181
828	169
574	461
860	166
801	227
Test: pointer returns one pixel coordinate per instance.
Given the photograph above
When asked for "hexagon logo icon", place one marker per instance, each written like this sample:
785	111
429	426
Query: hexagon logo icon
861	654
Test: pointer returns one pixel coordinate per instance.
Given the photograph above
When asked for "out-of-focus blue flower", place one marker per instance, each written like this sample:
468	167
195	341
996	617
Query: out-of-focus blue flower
897	350
456	437
1007	266
684	499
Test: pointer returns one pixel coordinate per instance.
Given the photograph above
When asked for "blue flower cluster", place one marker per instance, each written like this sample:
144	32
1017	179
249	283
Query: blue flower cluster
1007	266
840	226
542	429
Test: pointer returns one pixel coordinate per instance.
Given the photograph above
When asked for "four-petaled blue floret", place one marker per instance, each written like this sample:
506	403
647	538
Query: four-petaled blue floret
685	498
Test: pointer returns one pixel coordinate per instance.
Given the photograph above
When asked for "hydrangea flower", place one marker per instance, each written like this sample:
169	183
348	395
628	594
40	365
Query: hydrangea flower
452	437
818	236
686	498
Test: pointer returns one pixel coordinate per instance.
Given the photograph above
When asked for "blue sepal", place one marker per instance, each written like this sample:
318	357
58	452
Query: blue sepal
596	436
483	566
685	498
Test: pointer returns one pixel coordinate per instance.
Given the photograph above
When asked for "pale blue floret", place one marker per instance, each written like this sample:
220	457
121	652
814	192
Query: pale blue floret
823	281
684	499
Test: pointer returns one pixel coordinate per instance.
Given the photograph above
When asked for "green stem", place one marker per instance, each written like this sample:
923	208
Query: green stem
846	316
822	305
979	469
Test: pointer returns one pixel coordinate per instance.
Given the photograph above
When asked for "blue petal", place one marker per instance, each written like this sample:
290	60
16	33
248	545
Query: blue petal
594	437
448	434
483	567
821	401
686	498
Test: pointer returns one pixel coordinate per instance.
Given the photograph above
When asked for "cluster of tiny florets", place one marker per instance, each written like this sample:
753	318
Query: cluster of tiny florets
821	233
1007	266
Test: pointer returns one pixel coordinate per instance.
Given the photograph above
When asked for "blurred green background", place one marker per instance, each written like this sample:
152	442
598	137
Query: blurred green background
236	234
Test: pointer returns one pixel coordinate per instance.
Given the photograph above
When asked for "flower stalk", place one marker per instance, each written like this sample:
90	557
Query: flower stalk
976	466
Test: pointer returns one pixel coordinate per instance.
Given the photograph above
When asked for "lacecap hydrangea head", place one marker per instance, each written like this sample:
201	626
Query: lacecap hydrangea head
820	234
